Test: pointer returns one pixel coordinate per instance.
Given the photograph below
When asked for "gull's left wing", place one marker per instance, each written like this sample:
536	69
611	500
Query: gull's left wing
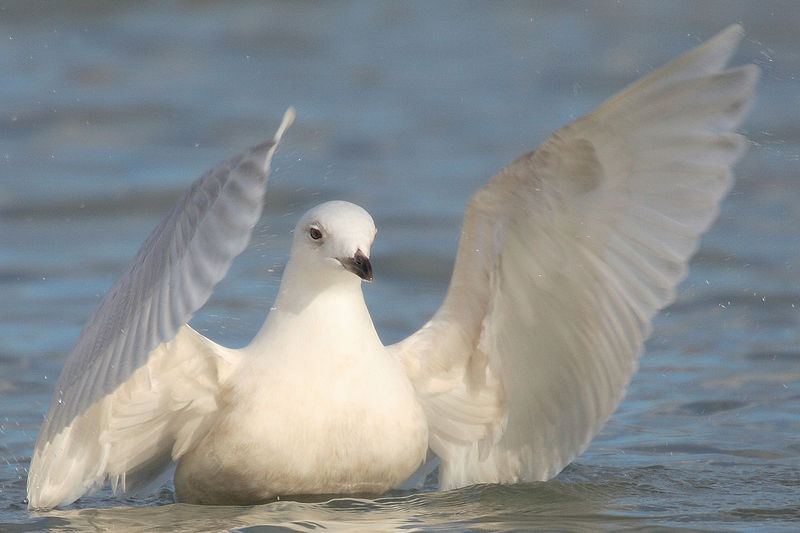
565	256
140	386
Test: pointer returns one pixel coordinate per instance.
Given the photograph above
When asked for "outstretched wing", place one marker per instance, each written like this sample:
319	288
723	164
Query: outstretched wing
565	257
123	370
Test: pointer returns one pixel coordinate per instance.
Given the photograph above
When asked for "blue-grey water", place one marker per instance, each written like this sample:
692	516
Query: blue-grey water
109	110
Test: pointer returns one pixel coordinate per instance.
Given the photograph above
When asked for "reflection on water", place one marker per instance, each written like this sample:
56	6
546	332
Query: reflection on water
111	109
583	498
577	506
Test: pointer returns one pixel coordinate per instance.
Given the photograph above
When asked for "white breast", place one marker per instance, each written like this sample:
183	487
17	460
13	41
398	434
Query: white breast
308	417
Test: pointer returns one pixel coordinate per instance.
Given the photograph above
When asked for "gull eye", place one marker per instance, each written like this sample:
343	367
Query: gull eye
314	233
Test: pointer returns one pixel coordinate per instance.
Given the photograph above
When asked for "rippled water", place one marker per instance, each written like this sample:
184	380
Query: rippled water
109	111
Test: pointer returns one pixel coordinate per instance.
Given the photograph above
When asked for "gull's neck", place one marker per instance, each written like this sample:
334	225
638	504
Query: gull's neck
310	305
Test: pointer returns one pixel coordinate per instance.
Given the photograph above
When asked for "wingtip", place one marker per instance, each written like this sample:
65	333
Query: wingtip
267	148
729	38
734	29
288	119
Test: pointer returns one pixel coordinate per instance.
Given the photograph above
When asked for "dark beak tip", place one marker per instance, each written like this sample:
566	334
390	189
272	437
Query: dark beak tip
366	271
359	265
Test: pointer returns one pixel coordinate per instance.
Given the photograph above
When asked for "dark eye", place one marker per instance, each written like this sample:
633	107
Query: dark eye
315	233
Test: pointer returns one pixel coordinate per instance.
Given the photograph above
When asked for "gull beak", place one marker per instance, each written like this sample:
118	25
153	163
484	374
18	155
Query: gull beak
359	265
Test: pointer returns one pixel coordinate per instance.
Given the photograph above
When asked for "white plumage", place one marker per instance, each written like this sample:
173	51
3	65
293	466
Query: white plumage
565	256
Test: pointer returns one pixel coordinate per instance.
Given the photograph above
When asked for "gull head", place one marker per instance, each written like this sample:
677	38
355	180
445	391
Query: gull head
333	240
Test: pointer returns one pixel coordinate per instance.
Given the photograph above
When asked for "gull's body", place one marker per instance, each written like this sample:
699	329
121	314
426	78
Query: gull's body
336	413
565	256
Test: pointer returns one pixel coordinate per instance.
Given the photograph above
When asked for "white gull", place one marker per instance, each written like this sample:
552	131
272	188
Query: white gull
565	256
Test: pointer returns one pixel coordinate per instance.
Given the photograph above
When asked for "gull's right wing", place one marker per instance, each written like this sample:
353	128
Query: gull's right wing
139	388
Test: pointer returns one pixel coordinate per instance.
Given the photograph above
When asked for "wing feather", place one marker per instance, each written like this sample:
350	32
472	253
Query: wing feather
133	395
565	257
